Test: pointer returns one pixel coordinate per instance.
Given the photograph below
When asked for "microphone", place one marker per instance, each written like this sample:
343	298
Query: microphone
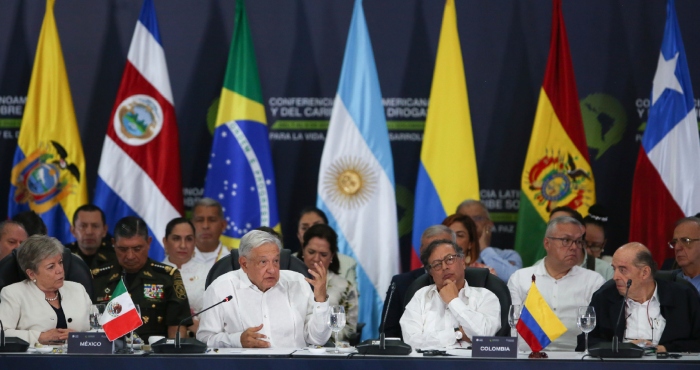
615	349
11	344
187	345
391	347
615	339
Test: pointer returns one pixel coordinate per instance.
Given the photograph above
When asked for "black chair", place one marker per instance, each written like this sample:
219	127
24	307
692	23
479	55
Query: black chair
230	263
75	268
476	277
672	275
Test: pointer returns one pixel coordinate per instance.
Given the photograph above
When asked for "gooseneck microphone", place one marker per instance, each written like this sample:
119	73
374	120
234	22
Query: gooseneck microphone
382	346
177	333
382	333
615	339
11	344
187	345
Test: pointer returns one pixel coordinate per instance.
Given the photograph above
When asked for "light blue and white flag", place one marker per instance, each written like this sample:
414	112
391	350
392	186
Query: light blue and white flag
356	178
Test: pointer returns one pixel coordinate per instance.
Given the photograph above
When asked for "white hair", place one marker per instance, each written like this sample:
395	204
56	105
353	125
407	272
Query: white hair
254	239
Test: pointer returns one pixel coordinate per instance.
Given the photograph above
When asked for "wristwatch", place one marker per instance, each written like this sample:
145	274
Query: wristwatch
458	334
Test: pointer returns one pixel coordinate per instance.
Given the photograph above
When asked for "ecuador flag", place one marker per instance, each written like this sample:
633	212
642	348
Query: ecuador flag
557	168
48	175
447	173
240	174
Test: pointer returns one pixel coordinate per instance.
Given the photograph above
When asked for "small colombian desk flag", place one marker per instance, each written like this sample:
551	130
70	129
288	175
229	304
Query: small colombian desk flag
538	325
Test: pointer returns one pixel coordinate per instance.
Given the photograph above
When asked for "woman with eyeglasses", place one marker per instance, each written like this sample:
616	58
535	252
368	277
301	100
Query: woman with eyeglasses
467	239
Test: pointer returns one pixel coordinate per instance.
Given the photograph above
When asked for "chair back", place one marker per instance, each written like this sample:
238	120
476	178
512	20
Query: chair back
476	277
230	263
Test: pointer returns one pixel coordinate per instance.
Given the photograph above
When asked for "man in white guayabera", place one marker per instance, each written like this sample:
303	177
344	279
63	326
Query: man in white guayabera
270	308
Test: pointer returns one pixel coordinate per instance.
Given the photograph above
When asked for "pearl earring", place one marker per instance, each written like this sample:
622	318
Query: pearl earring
34	281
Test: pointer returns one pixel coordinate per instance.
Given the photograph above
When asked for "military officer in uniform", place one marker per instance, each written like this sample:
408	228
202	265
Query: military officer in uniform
90	232
157	288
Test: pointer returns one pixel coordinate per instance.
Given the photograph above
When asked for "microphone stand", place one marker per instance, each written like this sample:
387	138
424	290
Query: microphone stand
615	339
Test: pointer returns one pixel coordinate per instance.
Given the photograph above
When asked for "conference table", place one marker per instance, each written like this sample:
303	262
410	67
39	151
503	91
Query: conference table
302	359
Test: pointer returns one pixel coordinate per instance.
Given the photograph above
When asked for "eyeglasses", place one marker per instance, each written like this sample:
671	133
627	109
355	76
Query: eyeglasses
594	246
437	265
566	242
685	241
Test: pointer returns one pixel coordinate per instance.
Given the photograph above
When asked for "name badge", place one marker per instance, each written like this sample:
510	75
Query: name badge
89	342
503	347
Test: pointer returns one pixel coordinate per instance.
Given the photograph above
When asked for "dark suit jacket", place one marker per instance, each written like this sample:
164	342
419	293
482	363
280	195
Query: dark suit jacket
402	281
680	306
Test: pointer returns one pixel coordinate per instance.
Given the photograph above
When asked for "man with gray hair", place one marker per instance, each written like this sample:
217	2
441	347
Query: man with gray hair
504	261
270	308
658	313
12	234
209	224
401	282
686	245
564	285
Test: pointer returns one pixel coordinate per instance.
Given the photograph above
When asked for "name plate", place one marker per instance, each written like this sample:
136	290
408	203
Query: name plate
503	347
89	342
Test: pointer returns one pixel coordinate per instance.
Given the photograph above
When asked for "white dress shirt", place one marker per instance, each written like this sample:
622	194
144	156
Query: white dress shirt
564	296
290	316
209	258
25	313
644	320
428	322
194	275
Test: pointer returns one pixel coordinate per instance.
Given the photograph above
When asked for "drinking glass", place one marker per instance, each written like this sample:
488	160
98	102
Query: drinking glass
514	315
96	312
586	321
336	321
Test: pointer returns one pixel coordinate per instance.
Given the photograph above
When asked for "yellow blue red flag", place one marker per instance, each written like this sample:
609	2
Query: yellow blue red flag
538	325
447	172
48	174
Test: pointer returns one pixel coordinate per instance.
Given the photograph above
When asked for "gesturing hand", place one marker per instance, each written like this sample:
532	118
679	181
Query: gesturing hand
318	282
250	338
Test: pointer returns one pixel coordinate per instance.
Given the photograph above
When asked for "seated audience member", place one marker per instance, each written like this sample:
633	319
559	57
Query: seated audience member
658	313
595	224
157	288
686	245
90	230
43	308
564	285
448	311
209	225
12	234
465	231
311	216
32	223
270	308
320	246
504	261
179	250
401	282
604	268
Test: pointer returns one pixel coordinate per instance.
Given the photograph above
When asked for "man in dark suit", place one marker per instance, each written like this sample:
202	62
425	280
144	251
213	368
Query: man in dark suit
392	327
658	313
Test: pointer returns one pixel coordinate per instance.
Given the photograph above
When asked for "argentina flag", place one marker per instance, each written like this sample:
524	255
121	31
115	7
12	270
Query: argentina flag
356	178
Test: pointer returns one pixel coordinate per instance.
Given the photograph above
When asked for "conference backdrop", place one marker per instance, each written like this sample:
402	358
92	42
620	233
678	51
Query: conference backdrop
299	48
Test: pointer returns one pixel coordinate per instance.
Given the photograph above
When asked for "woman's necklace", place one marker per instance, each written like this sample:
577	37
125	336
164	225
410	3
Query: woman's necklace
52	299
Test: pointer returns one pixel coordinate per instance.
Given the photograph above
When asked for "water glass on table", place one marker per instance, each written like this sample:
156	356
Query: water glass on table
586	321
514	315
336	321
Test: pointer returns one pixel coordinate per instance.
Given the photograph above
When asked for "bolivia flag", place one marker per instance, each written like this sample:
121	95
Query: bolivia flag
120	316
557	168
443	182
538	325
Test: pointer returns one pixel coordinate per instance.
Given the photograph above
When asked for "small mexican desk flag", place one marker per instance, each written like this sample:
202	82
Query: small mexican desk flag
120	316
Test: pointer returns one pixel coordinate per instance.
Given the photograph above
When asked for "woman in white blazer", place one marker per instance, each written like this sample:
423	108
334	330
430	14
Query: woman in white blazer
43	308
